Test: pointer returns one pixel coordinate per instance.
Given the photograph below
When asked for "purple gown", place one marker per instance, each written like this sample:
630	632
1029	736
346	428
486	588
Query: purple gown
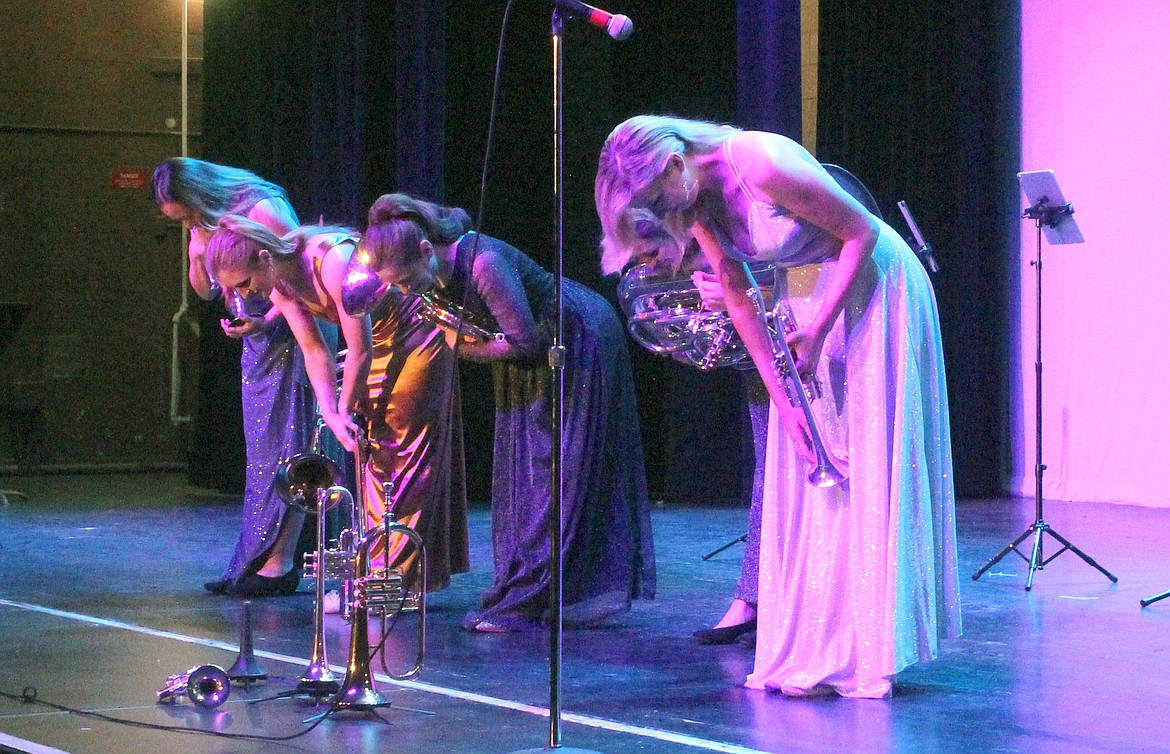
279	417
608	552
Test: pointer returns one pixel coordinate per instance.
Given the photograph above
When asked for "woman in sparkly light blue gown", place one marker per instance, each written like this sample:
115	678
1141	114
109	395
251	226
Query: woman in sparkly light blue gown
858	580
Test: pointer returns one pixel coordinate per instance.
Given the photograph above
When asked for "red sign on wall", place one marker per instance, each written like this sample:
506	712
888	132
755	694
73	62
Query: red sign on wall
128	178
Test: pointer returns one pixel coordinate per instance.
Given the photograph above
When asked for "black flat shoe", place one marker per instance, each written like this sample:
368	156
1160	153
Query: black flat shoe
726	634
255	585
218	587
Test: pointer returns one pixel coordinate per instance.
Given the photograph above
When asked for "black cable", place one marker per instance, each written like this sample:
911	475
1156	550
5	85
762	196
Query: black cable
28	695
493	111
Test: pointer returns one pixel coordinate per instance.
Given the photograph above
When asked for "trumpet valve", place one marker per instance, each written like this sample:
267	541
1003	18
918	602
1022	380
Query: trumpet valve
384	593
338	564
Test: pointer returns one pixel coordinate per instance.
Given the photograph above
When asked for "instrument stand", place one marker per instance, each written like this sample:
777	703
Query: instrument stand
1053	218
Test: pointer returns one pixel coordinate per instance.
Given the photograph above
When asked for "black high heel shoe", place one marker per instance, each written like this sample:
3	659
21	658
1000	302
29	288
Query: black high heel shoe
218	586
255	585
726	634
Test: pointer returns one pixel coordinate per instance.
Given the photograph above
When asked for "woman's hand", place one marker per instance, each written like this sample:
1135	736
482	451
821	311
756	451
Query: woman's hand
710	290
343	428
806	345
241	326
796	424
197	243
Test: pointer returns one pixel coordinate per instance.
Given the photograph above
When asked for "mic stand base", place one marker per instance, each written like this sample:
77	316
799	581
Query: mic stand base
558	749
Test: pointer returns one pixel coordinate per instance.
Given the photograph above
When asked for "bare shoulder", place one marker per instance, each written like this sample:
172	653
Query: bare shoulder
335	252
274	213
767	158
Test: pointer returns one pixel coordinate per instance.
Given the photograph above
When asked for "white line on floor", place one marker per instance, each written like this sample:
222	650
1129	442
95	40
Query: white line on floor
587	720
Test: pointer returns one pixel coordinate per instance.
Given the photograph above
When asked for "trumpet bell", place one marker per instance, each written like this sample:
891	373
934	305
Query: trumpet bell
300	478
208	686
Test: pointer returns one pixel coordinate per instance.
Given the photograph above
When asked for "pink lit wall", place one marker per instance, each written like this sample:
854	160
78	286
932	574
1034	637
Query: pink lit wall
1096	110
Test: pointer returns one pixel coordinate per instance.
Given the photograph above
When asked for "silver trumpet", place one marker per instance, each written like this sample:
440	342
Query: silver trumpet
309	481
207	686
825	473
454	318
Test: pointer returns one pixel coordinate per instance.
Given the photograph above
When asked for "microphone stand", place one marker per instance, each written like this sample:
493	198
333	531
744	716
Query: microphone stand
1045	215
556	362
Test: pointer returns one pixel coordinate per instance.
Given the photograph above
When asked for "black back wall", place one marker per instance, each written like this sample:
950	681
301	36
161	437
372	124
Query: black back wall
920	98
342	101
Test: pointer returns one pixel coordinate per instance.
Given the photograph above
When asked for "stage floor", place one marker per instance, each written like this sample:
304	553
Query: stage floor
101	600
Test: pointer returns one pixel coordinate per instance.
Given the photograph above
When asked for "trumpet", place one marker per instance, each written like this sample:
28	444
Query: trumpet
825	473
454	318
207	686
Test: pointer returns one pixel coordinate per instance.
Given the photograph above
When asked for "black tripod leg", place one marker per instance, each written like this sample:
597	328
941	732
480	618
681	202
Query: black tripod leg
1036	562
716	551
1003	552
1082	555
1155	598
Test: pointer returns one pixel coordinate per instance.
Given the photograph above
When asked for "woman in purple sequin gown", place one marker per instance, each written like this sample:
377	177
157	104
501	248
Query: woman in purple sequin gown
278	405
608	553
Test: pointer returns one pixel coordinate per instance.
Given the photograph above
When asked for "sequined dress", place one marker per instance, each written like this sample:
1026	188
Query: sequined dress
608	551
279	415
859	581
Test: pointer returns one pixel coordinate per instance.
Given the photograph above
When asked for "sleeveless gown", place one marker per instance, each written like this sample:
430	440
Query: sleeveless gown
279	415
857	581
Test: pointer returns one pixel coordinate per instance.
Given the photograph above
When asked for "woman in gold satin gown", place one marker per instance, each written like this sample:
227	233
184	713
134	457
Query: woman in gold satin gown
408	395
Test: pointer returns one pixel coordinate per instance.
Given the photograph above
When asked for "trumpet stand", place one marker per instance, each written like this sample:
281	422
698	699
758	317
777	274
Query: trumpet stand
1043	214
318	680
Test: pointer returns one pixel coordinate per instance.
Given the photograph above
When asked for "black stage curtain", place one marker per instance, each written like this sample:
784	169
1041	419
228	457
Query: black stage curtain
307	95
341	101
920	98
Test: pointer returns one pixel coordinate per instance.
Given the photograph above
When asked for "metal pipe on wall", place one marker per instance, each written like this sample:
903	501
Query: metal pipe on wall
181	314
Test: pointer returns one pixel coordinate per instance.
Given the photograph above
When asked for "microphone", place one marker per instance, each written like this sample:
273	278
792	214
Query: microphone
615	24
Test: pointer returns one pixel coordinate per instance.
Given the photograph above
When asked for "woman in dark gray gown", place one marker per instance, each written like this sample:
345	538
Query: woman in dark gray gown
608	552
278	402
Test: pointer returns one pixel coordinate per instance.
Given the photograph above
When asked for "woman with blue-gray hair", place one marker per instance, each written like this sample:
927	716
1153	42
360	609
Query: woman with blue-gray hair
277	398
857	580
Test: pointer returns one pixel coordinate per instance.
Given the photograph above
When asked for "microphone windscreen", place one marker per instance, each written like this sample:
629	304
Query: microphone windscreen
619	27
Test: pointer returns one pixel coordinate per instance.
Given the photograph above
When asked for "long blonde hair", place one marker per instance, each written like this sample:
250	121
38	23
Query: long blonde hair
632	158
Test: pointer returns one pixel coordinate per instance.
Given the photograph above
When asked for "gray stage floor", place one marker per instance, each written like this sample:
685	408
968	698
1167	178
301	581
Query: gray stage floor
101	599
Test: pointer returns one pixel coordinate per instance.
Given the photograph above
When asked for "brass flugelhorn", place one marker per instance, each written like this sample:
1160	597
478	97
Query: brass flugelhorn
383	591
825	473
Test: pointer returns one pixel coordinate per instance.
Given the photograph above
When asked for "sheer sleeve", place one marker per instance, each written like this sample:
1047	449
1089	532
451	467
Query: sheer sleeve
498	284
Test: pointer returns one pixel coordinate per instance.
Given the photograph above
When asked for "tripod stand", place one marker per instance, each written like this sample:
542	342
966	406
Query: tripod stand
1053	217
